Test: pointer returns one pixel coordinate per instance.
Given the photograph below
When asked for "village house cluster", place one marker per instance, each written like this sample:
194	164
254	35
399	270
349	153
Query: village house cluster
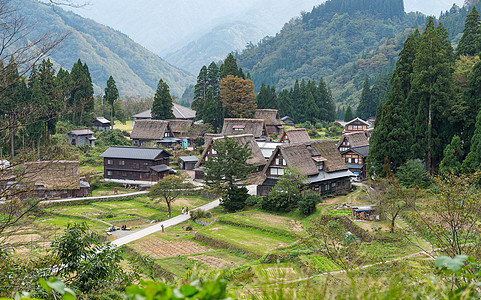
328	165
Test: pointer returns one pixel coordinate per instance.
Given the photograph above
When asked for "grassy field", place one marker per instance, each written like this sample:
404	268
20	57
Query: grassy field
252	240
125	127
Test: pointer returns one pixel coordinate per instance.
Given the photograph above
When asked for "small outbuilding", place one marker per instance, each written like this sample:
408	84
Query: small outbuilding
81	137
365	212
101	123
288	120
188	162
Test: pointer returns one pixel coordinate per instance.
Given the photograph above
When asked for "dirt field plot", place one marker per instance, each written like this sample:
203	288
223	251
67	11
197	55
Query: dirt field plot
160	248
214	262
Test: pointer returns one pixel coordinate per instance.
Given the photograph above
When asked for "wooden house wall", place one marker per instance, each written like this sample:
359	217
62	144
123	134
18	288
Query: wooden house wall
133	169
356	126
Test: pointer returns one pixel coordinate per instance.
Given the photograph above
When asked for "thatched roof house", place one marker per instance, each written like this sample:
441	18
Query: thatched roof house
179	127
319	160
272	119
257	158
53	175
149	130
209	136
179	111
352	140
295	135
256	127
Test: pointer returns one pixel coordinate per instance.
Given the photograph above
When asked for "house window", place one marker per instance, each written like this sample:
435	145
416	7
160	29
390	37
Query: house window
238	127
320	166
166	134
333	184
109	161
122	163
277	171
135	165
280	162
356	160
109	173
146	164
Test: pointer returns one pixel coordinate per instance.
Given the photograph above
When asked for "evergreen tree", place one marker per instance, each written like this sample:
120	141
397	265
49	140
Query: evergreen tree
229	67
111	95
214	109
81	101
162	106
326	103
267	97
432	86
348	116
364	108
473	160
470	42
391	138
200	93
453	155
285	103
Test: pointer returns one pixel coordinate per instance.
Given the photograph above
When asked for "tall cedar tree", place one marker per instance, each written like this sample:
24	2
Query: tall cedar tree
267	97
432	86
162	106
229	165
364	109
473	160
237	96
229	67
470	42
215	108
111	95
200	93
348	116
13	102
391	138
473	101
453	156
326	102
81	101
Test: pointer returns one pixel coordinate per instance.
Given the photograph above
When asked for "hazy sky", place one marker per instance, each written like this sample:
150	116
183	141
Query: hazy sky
430	7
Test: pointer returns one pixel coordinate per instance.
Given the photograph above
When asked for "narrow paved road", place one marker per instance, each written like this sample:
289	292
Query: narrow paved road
158	227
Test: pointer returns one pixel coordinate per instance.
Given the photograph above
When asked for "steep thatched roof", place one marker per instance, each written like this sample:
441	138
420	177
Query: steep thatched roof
53	175
209	136
149	129
257	158
179	111
355	139
179	127
256	127
295	135
271	116
303	156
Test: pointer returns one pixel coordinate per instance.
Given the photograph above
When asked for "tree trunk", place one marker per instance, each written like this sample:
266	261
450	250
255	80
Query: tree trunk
168	207
12	142
112	117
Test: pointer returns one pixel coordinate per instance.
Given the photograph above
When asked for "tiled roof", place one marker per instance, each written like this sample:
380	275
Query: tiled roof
133	153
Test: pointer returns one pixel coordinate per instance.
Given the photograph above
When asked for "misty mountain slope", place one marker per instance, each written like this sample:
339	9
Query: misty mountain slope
106	52
215	46
164	26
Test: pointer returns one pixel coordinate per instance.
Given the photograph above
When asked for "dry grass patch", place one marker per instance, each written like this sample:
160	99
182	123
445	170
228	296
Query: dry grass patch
160	248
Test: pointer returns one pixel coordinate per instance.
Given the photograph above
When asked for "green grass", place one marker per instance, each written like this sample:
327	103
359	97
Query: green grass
179	265
126	127
254	241
264	220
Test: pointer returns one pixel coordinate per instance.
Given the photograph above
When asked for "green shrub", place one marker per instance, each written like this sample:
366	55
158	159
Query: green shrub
307	204
278	203
253	200
199	214
235	199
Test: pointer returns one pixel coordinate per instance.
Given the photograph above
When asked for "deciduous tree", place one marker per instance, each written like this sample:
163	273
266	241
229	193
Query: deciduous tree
169	189
238	97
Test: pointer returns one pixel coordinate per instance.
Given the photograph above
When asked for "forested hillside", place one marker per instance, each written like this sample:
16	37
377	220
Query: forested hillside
340	41
106	51
215	45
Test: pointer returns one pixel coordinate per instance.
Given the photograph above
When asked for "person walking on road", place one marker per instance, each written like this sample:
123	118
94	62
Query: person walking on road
186	210
182	210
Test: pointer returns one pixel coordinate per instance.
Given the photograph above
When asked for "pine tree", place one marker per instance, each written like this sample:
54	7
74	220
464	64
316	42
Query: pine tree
326	103
162	106
111	95
348	115
215	109
432	86
470	42
200	93
81	98
453	155
364	109
267	97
